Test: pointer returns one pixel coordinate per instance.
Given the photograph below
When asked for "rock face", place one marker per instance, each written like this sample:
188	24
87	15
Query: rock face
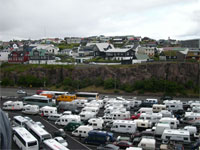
179	72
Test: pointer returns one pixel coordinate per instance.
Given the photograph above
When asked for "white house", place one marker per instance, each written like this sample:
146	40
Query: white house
4	55
150	51
49	47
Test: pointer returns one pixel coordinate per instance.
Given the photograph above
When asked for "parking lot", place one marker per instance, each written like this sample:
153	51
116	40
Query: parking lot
74	143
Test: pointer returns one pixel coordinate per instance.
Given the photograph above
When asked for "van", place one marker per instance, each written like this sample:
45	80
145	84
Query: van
13	105
147	144
30	109
158	107
96	123
48	110
99	137
82	131
124	126
65	119
176	135
54	117
71	126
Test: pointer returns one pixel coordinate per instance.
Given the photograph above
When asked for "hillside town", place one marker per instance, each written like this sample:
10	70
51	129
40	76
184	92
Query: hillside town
99	50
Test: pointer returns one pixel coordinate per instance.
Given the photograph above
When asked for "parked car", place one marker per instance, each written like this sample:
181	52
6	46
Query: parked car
61	133
166	97
108	147
61	141
123	144
21	92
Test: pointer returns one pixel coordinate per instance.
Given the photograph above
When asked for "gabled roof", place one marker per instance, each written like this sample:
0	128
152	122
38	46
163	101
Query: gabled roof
102	46
118	50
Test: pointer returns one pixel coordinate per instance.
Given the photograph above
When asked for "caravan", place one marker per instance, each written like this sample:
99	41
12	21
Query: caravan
158	107
176	135
153	117
173	105
90	109
13	105
96	123
87	115
145	110
124	126
30	109
82	131
48	110
191	118
120	115
172	121
65	119
143	124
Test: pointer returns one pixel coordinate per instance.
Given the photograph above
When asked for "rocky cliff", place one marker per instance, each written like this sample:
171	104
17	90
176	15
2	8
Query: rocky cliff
179	72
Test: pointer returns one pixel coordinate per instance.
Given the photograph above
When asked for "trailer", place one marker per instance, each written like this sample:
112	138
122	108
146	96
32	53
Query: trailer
65	119
124	126
30	109
48	110
13	105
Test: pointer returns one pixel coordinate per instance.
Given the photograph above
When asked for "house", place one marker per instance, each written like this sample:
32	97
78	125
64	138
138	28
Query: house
4	55
49	47
193	54
173	53
150	51
73	40
139	58
18	57
40	56
193	43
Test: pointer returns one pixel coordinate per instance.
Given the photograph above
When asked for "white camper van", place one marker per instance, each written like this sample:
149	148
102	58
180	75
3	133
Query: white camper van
82	131
160	127
124	126
13	105
90	109
153	117
158	107
145	110
65	119
147	144
176	135
143	124
173	105
172	121
48	110
120	115
96	123
30	109
87	115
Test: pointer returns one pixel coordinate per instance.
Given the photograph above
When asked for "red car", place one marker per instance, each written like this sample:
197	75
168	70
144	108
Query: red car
123	144
133	117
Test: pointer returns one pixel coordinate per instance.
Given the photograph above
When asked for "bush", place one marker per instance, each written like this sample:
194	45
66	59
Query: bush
109	83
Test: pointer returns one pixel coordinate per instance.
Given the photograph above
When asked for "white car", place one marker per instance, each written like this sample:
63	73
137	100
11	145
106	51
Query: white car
61	141
21	92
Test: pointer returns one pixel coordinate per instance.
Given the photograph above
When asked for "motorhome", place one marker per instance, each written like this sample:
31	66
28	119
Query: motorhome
158	107
173	105
107	118
124	126
120	115
145	110
99	137
87	115
160	127
100	102
48	110
153	117
82	131
13	105
54	117
30	109
143	124
147	143
65	119
110	109
149	102
24	139
172	121
80	102
191	118
90	109
96	123
166	113
192	130
92	105
176	135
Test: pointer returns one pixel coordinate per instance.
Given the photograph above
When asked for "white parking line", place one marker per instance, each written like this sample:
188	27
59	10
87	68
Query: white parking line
67	134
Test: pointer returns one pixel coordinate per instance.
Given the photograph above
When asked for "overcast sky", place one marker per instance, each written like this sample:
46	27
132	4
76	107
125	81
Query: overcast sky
158	19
